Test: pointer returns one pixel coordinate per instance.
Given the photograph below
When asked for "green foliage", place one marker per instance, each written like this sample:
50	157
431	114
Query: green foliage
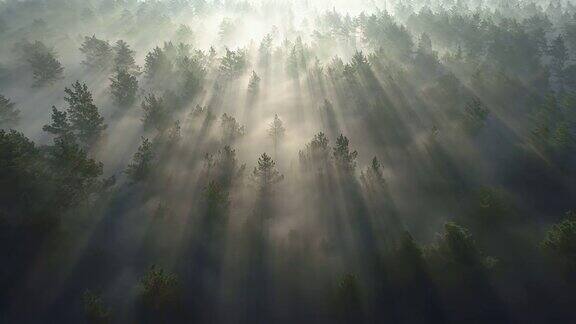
379	30
9	115
124	87
226	167
156	114
94	309
45	66
83	115
158	65
76	174
559	54
265	51
98	54
561	137
552	124
184	34
316	152
344	159
60	126
457	244
216	197
124	58
493	206
254	84
561	239
265	173
142	163
348	299
359	62
226	30
276	130
475	115
457	247
159	290
42	184
234	63
231	129
19	159
292	68
192	73
373	177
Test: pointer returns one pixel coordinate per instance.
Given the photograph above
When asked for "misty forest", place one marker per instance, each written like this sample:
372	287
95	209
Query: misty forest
275	161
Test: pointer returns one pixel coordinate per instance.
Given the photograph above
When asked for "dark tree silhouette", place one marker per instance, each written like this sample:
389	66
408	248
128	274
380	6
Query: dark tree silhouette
276	131
98	54
265	173
254	84
42	60
344	159
156	115
83	115
124	87
9	115
231	129
142	163
124	58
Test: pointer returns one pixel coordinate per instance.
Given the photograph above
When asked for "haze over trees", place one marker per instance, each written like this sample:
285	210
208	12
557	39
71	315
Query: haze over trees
308	161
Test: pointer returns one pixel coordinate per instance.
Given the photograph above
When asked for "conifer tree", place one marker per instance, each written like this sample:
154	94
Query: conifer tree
124	87
124	58
83	114
276	131
98	54
142	163
9	115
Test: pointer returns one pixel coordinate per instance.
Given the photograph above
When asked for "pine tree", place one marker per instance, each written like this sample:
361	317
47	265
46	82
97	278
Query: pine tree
124	58
46	69
373	176
158	65
316	152
561	239
9	115
60	126
475	115
94	308
227	168
142	163
184	34
83	115
233	63
456	244
160	290
425	44
276	131
45	66
265	173
344	159
155	113
292	64
254	84
124	87
265	51
559	53
231	129
98	54
77	174
359	62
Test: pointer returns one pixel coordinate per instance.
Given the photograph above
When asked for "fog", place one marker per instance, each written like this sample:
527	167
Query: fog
320	161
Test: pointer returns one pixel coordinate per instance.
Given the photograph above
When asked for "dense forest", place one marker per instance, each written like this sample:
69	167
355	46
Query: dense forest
274	161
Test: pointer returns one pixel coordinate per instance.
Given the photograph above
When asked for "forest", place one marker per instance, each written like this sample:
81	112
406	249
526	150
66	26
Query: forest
275	161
